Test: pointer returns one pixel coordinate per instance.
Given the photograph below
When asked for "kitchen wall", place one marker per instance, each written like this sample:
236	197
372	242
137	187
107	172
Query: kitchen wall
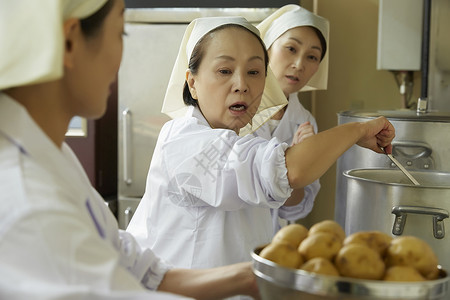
353	81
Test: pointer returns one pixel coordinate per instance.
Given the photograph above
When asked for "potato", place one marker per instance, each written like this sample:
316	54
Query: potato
371	255
402	273
293	234
320	244
376	240
359	261
433	274
283	254
414	252
329	226
320	265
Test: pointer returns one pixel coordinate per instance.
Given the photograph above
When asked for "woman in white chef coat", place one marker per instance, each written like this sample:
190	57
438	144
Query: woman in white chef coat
58	239
209	191
297	41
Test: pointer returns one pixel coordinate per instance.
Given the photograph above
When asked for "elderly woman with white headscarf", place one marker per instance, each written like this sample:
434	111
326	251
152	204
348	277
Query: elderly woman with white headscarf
58	239
297	42
209	189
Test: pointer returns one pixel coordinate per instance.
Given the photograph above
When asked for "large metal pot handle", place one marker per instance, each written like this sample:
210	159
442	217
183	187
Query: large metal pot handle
401	212
423	149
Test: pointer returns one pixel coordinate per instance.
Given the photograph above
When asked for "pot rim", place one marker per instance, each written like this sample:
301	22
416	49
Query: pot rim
353	174
399	115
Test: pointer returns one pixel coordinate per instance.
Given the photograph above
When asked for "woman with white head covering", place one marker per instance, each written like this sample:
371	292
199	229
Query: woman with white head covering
58	239
297	42
209	191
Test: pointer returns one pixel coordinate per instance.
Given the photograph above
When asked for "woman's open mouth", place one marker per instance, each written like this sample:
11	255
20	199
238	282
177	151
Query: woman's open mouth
293	79
238	108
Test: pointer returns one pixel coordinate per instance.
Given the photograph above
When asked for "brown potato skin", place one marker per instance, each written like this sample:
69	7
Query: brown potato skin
329	226
414	252
374	255
359	261
320	244
320	265
376	240
292	234
282	254
402	273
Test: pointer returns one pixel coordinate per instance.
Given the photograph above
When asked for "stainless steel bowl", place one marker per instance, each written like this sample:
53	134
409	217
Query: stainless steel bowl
276	282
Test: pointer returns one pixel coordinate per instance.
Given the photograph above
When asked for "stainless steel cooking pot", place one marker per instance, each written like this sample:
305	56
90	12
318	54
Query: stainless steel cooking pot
385	200
276	282
420	143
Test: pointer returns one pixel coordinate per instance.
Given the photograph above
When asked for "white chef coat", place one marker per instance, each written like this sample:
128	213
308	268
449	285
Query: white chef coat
209	193
58	239
293	117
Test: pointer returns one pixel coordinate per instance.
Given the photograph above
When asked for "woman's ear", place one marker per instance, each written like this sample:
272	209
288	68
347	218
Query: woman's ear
191	83
71	29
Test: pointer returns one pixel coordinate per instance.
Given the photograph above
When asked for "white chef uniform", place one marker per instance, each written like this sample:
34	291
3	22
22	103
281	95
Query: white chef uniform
284	130
271	28
58	239
209	193
208	190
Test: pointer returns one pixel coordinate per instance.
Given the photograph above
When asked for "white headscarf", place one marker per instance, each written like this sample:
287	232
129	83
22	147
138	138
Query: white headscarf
291	16
273	98
32	39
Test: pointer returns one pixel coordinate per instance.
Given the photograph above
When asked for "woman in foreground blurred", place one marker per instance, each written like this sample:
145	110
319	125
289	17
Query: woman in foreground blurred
58	239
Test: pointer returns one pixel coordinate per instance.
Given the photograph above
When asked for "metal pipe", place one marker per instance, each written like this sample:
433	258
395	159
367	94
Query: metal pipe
422	103
425	46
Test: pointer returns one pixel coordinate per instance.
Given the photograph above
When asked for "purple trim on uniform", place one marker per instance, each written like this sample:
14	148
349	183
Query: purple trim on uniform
17	144
97	225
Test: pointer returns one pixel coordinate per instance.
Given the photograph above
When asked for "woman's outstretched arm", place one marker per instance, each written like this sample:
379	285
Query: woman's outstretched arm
214	283
309	160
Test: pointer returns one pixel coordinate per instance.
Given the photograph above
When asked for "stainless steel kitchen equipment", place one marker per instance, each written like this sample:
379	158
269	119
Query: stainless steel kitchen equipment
420	144
150	48
403	169
385	200
275	282
421	137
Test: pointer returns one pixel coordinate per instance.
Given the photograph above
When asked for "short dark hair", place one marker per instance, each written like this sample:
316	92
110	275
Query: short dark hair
198	53
91	25
323	42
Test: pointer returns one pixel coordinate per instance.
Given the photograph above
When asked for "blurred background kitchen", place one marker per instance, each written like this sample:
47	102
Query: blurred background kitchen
376	64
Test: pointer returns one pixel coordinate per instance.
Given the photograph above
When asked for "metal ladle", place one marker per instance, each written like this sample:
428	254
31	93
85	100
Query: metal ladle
402	168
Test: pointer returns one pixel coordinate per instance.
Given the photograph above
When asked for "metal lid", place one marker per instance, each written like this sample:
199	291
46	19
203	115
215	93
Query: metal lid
400	115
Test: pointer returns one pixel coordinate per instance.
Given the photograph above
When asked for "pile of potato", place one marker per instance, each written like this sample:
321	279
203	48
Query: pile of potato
326	250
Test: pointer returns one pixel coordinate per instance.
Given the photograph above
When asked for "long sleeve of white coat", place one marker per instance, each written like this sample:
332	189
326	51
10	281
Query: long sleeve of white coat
209	193
294	116
58	239
142	263
230	164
